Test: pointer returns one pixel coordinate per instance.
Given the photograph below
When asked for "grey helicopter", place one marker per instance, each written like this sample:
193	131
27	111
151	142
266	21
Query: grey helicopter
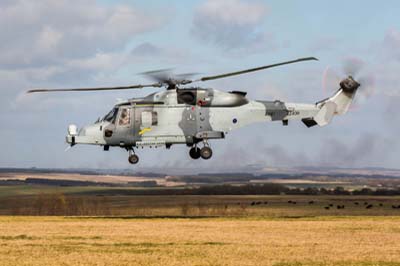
190	115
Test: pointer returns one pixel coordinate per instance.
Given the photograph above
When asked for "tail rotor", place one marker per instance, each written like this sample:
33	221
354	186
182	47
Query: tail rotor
355	70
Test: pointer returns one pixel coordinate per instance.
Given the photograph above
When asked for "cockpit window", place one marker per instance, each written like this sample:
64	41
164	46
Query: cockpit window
125	117
111	116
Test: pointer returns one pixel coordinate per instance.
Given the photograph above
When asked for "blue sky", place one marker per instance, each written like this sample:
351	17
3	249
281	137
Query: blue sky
95	43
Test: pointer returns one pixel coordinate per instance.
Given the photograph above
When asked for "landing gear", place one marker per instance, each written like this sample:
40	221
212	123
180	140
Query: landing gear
133	158
195	153
206	153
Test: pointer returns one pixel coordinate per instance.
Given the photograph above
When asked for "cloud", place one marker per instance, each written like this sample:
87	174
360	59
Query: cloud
379	69
46	33
230	24
48	43
280	156
155	54
324	44
59	44
391	44
146	49
368	149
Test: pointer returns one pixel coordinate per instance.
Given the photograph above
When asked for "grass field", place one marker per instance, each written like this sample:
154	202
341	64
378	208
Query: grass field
113	226
327	240
56	203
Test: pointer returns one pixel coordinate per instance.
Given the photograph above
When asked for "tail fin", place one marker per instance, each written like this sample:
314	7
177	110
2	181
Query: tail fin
338	104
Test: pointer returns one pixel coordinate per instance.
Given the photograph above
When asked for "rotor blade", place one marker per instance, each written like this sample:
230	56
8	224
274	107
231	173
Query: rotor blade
256	69
352	66
163	70
156	85
166	76
330	80
160	75
186	75
368	85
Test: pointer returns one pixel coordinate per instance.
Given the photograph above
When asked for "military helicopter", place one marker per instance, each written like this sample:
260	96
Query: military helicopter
195	115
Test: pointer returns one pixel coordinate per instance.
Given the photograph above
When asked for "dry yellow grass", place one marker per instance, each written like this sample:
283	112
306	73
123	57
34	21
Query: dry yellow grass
221	241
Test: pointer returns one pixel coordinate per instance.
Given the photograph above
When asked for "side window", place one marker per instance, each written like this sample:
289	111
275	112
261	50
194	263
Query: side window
149	119
125	117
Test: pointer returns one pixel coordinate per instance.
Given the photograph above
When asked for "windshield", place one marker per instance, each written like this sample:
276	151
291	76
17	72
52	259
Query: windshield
111	116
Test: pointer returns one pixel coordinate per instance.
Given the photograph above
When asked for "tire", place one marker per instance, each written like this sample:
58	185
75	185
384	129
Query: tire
194	153
133	159
206	153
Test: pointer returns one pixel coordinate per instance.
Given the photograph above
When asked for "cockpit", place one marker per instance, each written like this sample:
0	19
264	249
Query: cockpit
111	116
120	113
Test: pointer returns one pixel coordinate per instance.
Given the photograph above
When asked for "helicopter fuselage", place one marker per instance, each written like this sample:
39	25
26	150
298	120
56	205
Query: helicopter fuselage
184	116
193	115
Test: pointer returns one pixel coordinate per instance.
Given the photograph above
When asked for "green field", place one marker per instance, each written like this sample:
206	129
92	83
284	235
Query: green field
103	201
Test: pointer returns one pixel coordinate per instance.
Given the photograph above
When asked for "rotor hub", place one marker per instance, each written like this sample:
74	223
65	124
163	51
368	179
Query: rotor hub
349	84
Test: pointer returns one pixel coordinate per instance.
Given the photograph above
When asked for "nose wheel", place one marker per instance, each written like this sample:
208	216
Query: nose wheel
133	158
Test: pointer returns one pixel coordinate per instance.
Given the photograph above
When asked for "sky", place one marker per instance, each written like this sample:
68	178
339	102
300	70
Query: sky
56	44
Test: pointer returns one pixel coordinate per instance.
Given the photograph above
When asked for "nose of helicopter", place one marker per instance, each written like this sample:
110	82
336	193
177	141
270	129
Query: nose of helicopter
90	134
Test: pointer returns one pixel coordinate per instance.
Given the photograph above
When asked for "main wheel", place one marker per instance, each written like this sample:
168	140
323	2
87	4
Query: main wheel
133	159
206	153
194	153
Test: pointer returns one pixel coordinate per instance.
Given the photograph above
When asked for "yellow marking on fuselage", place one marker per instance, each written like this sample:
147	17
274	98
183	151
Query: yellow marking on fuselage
144	130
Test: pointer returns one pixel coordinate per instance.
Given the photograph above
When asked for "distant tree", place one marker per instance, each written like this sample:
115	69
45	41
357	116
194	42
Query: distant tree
311	191
364	191
340	191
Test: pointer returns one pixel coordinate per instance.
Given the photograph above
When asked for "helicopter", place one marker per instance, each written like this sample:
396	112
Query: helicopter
182	114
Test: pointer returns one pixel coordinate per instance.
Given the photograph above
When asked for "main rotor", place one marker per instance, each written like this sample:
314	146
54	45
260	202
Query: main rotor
163	78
